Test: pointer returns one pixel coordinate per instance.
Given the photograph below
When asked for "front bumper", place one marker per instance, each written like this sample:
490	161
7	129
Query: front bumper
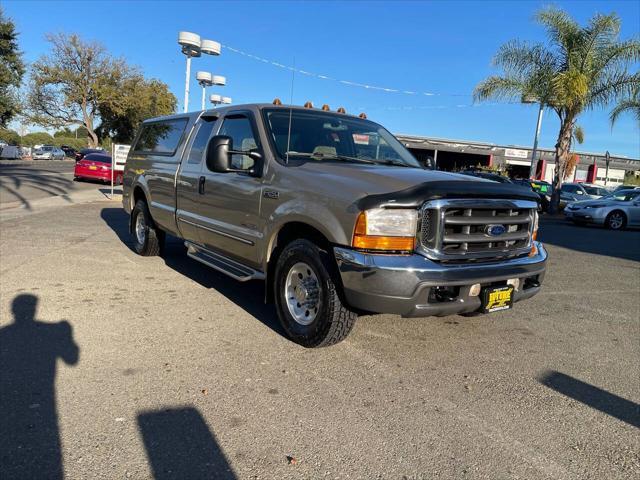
403	284
586	215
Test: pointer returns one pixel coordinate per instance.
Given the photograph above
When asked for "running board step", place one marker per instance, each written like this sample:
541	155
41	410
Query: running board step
223	264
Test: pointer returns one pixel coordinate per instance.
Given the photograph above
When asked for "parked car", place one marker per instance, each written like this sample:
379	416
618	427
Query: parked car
496	177
48	152
582	191
86	151
69	152
333	213
615	211
11	152
96	166
626	187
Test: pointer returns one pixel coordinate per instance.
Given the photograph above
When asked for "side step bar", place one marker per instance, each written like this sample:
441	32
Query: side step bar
223	264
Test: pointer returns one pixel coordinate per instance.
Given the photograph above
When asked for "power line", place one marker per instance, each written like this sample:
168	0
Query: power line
344	82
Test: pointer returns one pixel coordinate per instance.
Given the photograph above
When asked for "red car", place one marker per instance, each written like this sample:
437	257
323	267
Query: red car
96	166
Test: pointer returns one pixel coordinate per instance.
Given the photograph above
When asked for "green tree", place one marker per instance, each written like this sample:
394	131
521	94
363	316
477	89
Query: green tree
64	132
630	104
37	138
11	137
11	70
68	85
139	99
580	68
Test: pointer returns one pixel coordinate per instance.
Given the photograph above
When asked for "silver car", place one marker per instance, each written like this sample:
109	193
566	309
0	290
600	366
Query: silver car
48	152
615	211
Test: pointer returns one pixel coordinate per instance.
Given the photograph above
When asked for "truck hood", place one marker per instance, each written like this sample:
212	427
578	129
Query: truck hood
373	179
376	185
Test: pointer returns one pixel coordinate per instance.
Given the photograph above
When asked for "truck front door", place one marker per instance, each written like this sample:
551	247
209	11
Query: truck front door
229	206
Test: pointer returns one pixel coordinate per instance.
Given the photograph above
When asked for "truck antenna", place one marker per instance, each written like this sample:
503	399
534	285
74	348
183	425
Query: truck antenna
293	77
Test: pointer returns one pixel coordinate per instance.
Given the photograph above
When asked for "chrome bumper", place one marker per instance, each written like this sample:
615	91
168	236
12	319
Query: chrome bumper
402	284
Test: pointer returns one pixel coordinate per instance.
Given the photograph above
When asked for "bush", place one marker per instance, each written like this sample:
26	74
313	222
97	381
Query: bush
631	178
73	142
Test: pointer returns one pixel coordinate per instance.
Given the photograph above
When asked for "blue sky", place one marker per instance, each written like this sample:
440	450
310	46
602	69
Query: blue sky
444	48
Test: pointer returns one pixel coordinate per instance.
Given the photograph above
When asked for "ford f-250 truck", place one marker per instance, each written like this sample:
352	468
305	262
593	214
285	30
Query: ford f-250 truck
333	213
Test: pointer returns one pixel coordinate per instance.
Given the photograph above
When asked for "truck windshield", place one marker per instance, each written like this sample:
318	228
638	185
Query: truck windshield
322	136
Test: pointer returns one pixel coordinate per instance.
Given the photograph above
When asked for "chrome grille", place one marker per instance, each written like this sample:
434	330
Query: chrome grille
476	229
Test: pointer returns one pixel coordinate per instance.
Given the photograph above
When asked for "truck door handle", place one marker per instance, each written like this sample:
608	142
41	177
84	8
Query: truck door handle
201	185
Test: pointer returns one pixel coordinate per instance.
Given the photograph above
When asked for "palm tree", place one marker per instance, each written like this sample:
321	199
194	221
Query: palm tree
579	68
630	104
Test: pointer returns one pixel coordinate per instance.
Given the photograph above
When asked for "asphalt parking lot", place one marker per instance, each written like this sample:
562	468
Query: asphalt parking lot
119	366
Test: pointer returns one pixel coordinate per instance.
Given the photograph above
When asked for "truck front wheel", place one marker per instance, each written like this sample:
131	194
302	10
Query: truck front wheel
307	300
148	238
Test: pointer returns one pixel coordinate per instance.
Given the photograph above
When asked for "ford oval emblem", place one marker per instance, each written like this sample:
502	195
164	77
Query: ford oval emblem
494	230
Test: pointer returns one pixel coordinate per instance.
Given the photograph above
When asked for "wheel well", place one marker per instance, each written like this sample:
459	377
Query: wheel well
288	233
138	194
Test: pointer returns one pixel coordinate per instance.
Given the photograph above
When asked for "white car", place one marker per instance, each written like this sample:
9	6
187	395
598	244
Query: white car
48	152
615	211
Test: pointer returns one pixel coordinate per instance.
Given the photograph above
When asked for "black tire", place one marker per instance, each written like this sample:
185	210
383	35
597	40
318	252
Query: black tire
152	236
333	320
616	220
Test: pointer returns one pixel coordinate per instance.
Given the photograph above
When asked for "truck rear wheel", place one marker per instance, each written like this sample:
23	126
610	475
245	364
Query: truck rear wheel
148	239
307	300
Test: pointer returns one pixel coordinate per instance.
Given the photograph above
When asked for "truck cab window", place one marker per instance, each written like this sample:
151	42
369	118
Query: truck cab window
240	131
201	139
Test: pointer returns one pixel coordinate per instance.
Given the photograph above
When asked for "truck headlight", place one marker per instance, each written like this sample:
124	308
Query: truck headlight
534	235
386	229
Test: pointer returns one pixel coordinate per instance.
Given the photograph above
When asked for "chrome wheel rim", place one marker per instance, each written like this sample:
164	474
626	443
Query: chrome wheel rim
141	228
615	221
302	291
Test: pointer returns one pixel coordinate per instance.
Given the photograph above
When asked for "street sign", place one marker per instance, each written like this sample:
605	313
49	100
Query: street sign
120	153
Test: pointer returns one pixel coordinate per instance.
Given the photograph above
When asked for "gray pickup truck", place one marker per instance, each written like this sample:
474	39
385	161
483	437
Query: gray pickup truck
333	213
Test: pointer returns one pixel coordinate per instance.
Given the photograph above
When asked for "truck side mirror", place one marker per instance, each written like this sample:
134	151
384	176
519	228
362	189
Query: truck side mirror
219	152
218	157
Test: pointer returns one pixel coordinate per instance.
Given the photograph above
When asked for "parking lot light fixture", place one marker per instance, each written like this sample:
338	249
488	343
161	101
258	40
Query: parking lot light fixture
226	100
193	46
190	43
209	47
215	99
205	80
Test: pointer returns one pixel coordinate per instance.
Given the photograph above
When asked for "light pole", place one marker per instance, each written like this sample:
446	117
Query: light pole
193	46
607	159
218	100
532	99
205	79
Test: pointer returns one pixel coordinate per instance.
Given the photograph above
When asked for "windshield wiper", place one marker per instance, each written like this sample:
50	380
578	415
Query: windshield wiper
396	163
323	156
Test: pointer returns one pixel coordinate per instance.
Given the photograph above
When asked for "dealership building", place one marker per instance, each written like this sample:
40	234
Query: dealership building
454	155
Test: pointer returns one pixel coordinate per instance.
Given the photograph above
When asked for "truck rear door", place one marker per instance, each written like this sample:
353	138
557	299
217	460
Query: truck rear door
189	186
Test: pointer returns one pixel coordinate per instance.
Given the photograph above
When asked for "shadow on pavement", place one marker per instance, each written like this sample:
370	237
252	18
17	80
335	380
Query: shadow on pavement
590	239
14	178
179	446
618	407
249	295
29	432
